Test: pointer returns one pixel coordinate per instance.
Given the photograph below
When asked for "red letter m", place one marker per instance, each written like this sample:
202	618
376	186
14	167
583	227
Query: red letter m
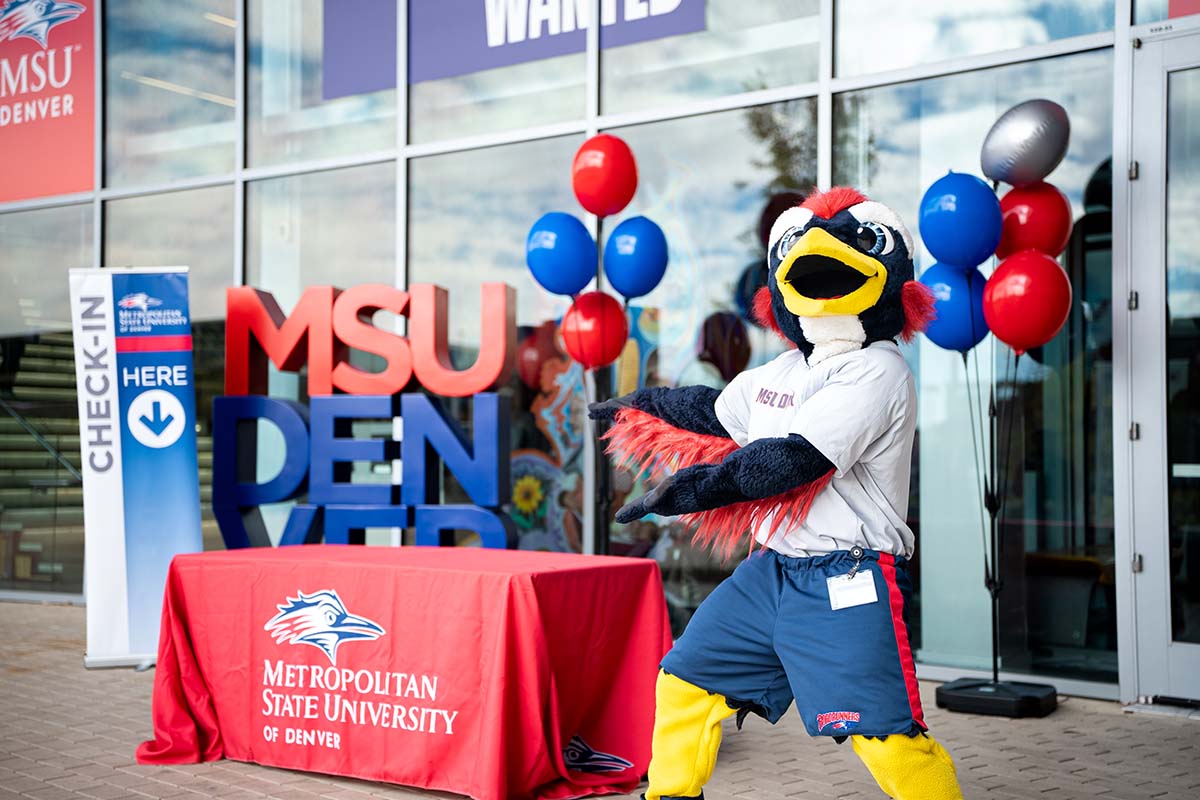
256	329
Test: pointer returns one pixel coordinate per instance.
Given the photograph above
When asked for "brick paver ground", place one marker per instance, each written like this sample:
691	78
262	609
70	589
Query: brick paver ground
69	733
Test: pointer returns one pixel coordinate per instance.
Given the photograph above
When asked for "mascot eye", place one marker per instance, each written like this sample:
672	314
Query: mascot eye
873	239
786	241
330	616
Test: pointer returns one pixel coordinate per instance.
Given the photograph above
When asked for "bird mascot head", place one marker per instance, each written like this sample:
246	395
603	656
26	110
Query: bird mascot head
840	276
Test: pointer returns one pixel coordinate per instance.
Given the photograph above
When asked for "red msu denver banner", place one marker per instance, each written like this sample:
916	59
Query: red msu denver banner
47	97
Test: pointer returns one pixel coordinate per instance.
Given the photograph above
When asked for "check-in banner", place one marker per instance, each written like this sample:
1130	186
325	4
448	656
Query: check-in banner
137	426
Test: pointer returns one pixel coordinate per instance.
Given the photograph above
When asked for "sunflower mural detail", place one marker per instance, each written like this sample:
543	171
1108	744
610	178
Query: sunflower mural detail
528	494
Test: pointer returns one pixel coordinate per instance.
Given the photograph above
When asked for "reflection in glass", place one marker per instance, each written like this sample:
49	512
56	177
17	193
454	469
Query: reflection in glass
1183	350
469	214
871	37
518	96
41	505
192	229
742	47
336	227
1150	11
299	105
169	90
31	299
1057	608
694	328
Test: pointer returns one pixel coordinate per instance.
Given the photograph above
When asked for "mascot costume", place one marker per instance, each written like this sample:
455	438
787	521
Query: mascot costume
812	453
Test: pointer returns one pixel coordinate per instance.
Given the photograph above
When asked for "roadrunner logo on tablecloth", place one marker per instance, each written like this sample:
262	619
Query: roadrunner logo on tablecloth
321	620
580	757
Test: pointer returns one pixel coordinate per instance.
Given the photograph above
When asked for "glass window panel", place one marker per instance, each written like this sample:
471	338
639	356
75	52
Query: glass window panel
692	329
31	299
336	227
522	95
741	47
41	504
169	90
1146	11
313	92
1183	350
1058	603
477	68
192	229
469	213
871	37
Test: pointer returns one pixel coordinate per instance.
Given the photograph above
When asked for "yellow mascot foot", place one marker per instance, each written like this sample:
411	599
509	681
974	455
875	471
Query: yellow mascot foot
910	767
687	734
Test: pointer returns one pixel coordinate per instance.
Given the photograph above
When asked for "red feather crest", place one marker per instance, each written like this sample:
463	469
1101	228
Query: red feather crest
919	310
643	442
827	204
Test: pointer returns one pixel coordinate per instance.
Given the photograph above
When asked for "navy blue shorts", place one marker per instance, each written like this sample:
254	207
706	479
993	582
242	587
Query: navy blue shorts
768	635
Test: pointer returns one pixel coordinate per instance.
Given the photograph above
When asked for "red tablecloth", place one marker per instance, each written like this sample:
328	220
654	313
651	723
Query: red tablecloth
496	674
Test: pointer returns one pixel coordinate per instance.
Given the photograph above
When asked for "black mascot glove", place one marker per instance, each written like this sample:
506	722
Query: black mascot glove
607	410
675	495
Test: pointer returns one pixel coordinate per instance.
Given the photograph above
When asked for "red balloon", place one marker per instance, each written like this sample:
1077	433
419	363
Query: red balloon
1027	300
604	175
594	329
1036	217
534	350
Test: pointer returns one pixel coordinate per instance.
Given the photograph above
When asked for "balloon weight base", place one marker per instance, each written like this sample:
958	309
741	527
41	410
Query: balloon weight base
1000	699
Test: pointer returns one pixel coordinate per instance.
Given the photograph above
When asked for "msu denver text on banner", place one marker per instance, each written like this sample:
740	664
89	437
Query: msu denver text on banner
318	448
47	97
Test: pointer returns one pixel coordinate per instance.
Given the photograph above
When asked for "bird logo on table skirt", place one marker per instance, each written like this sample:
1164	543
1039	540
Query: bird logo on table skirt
579	756
321	620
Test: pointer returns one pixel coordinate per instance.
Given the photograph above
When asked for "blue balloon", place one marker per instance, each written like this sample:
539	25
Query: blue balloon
960	220
635	257
560	253
958	299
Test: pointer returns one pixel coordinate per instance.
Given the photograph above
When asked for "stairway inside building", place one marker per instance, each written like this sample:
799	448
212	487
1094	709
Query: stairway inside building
41	494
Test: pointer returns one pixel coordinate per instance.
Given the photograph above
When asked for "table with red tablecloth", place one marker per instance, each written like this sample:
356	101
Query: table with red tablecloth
490	673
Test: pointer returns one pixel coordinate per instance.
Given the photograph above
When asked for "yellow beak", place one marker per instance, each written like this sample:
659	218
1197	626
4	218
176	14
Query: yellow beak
810	258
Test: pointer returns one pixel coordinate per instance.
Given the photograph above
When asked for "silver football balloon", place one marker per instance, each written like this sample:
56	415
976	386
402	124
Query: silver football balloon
1026	143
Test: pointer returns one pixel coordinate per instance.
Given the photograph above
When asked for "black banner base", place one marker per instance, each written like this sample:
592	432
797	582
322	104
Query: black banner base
1002	699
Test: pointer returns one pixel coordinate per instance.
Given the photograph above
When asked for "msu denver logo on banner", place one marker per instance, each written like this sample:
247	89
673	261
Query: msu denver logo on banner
33	19
321	620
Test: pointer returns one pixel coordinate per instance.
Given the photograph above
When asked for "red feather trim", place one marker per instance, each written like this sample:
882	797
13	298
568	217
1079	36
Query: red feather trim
764	314
724	528
643	442
919	309
826	204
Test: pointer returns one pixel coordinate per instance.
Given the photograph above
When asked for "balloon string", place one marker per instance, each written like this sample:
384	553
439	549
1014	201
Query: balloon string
1010	417
978	463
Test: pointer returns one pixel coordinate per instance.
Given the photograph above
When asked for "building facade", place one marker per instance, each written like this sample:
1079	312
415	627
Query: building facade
265	143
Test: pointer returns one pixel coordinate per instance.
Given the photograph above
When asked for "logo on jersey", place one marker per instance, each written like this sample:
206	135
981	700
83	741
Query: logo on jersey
837	721
319	619
33	19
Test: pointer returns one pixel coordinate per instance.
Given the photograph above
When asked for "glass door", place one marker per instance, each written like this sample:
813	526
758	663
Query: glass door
1165	365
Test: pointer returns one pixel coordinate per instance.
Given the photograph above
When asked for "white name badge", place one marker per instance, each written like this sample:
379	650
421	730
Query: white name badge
847	592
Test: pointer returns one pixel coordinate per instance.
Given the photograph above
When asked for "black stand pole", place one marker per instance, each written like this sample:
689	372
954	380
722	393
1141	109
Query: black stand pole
602	502
975	695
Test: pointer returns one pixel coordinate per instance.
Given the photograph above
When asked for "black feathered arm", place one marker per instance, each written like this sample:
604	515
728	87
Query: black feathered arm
764	468
692	408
